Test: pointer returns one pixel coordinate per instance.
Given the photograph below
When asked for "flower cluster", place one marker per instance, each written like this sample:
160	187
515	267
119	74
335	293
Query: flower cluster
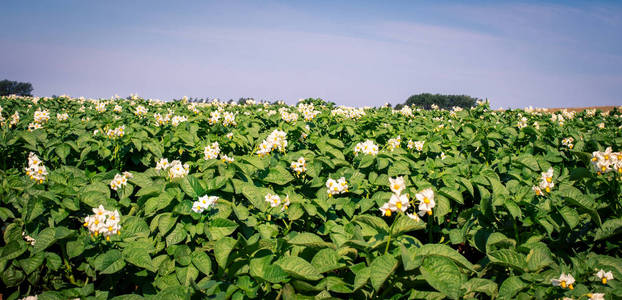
117	108
394	143
399	202
62	117
426	201
299	166
226	159
162	120
564	280
546	182
30	240
104	222
604	276
276	140
116	133
214	117
307	111
175	168
141	111
228	118
287	116
367	147
212	151
100	107
275	201
120	180
418	145
203	203
522	123
193	108
607	161
36	170
348	112
175	120
568	142
336	187
406	111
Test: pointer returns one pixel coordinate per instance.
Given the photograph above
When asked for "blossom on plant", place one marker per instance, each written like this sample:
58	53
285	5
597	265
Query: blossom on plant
228	119
336	187
546	182
34	126
141	111
162	120
117	108
203	203
120	180
115	133
29	239
607	161
212	151
177	170
62	117
604	276
274	200
36	170
596	296
288	117
399	202
100	107
104	222
214	117
386	210
226	158
163	164
175	120
568	142
299	166
229	135
367	147
427	203
564	280
537	190
276	140
394	143
397	184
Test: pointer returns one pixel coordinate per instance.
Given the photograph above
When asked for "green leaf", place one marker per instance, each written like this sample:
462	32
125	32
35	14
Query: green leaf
63	150
109	262
202	262
219	228
440	250
263	268
509	258
326	260
138	257
443	275
528	161
510	287
310	240
380	269
610	228
29	265
176	236
278	175
452	194
187	275
222	249
403	224
299	268
480	285
538	258
75	248
46	238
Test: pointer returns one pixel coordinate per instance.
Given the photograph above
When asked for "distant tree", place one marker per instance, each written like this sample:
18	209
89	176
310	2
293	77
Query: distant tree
443	101
8	87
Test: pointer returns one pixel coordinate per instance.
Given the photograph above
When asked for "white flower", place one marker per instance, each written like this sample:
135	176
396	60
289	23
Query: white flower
177	170
29	239
117	108
226	158
36	170
399	202
229	135
386	209
176	120
394	143
426	198
104	222
299	166
604	276
367	147
211	151
276	140
116	133
162	164
596	296
397	184
564	280
62	117
203	203
546	182
274	200
228	119
120	180
141	111
414	217
336	187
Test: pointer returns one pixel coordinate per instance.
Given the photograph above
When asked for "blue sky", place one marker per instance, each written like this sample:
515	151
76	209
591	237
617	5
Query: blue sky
553	54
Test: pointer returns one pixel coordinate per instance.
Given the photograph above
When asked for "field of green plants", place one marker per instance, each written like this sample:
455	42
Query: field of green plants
133	198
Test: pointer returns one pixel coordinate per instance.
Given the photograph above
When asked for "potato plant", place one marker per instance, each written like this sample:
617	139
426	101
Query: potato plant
134	198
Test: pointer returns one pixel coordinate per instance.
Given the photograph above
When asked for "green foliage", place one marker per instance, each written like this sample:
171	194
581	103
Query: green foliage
426	101
489	234
8	87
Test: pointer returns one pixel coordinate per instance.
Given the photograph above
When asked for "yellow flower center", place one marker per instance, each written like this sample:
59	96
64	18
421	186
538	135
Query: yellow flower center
426	200
399	205
606	157
429	212
604	280
549	179
563	284
548	189
603	168
570	287
96	222
594	159
396	186
387	212
109	228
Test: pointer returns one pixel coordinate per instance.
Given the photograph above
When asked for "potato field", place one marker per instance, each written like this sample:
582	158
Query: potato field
144	199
